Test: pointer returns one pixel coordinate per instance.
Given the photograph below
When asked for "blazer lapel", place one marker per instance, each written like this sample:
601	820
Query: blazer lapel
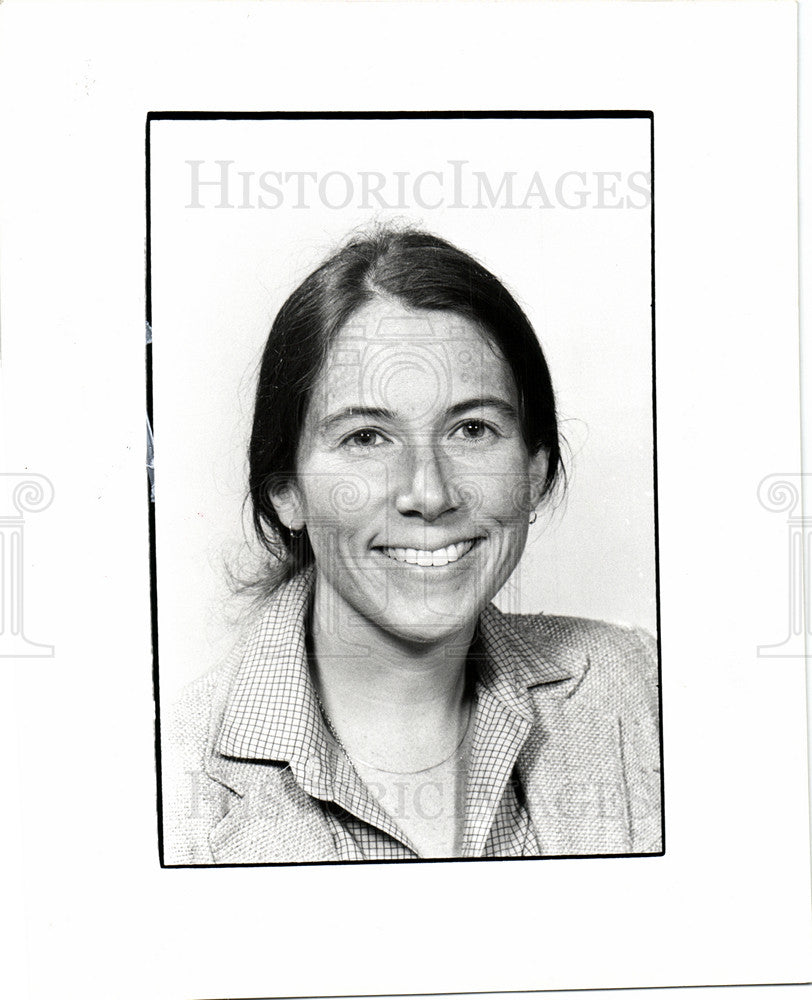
572	772
571	765
274	820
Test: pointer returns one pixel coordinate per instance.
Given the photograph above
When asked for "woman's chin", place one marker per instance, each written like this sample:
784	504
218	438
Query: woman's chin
431	627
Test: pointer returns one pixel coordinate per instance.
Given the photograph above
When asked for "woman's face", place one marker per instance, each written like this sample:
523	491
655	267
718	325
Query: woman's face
413	479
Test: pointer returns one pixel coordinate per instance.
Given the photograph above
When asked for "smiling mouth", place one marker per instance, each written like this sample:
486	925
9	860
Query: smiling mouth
430	557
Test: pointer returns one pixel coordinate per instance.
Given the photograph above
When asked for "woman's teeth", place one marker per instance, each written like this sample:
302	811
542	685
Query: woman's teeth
437	557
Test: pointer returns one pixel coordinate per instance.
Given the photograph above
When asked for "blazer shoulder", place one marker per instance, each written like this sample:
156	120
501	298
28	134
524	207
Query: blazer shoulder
191	714
591	635
609	722
192	802
605	657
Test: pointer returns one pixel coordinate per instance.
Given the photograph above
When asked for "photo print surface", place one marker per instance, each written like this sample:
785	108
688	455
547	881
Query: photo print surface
404	491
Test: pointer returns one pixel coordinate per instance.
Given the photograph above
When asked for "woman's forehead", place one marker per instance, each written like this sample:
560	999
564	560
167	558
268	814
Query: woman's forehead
387	354
384	320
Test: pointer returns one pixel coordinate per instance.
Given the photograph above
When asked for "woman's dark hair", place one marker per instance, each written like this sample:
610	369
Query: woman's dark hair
423	272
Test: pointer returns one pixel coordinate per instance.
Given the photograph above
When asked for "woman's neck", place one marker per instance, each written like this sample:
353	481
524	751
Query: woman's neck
391	702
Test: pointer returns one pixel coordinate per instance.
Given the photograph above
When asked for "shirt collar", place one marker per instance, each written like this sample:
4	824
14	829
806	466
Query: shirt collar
517	657
272	712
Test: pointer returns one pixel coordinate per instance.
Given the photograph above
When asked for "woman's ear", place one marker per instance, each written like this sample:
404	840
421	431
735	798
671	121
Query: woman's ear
539	464
287	501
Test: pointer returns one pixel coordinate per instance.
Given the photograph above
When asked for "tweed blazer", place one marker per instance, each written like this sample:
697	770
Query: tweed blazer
589	766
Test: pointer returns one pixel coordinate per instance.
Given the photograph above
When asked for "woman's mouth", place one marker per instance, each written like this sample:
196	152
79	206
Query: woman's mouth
430	557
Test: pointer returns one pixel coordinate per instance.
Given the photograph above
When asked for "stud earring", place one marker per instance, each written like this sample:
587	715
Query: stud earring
296	532
533	516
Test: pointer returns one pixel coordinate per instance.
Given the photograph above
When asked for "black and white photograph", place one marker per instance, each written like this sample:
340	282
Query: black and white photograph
444	605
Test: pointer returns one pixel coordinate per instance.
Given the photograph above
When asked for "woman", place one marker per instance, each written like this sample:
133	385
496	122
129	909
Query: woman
380	707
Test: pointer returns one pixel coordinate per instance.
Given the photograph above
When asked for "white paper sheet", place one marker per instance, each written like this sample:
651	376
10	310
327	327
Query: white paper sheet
91	912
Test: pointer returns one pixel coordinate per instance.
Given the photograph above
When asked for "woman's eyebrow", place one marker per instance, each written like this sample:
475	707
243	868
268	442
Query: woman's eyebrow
481	402
353	412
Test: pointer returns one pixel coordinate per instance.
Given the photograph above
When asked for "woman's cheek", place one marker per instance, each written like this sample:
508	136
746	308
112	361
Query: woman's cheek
343	491
507	497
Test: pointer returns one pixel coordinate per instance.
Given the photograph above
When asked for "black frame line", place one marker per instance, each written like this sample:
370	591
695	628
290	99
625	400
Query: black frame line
390	116
385	115
153	565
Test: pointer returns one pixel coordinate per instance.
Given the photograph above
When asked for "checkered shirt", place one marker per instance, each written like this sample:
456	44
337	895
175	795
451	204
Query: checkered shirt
273	715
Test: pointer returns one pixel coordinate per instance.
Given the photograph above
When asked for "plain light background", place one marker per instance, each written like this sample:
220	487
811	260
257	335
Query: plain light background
219	275
91	912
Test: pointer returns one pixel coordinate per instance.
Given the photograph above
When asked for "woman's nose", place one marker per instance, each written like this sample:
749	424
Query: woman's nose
424	486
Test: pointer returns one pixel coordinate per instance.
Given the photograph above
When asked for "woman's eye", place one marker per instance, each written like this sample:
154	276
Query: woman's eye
474	430
365	438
